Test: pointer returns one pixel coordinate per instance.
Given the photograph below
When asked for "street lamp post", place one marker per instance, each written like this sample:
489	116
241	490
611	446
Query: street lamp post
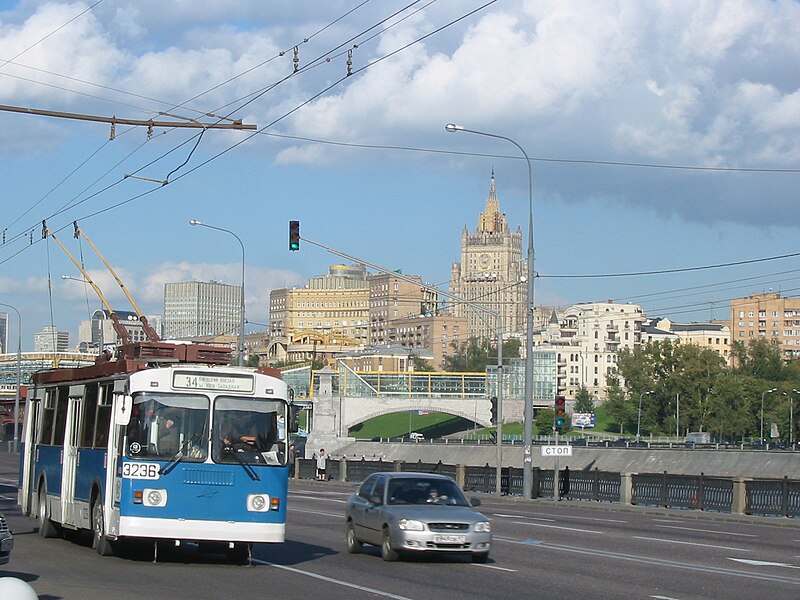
19	375
764	393
195	222
639	418
527	464
791	419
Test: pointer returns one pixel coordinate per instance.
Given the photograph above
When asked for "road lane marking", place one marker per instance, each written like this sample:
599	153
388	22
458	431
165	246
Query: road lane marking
663	598
709	531
347	584
763	563
510	516
494	567
652	539
315	512
300	496
556	527
594	552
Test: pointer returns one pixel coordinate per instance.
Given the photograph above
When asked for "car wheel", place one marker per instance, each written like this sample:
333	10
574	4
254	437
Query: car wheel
480	557
387	552
100	542
47	529
353	544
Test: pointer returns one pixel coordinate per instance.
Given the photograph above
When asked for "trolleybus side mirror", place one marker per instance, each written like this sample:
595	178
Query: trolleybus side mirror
294	418
122	410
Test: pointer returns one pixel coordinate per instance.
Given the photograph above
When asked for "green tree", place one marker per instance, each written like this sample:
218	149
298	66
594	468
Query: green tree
617	405
420	364
471	356
543	425
760	358
584	403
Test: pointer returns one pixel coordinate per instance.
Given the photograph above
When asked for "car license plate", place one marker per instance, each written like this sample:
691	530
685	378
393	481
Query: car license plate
7	544
449	539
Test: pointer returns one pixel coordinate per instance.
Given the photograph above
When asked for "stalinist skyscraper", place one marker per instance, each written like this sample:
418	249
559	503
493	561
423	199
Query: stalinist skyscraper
491	273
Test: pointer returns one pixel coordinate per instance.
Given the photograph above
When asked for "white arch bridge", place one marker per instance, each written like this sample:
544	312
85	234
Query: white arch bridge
341	399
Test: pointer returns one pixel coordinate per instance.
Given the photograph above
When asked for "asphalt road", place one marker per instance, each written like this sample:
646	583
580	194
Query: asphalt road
542	549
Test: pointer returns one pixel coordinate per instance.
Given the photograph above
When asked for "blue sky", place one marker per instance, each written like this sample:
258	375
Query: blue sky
665	137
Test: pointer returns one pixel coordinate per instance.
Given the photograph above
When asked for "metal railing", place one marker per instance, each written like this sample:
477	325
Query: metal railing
762	497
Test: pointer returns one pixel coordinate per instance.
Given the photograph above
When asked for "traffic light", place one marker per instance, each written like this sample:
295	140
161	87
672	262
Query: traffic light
560	418
294	235
493	400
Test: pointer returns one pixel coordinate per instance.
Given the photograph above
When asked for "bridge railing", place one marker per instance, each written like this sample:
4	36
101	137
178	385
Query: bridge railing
762	497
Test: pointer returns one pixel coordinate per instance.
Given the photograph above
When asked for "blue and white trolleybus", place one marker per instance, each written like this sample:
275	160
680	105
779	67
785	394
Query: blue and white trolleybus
151	446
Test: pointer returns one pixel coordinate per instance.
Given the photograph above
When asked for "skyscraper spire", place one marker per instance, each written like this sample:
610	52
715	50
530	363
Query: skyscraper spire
492	220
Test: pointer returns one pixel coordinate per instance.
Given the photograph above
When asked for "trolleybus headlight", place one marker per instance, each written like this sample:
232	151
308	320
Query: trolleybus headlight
154	497
258	502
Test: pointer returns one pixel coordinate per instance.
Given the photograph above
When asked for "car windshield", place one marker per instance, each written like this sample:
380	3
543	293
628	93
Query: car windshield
438	492
162	425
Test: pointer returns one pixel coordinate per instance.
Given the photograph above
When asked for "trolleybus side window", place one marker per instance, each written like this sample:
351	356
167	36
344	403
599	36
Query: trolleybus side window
164	425
103	420
48	416
61	415
89	414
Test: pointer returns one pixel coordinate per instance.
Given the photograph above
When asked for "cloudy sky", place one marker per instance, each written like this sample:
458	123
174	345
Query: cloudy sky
664	138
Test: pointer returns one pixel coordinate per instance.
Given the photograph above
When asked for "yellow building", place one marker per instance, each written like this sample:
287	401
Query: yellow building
767	317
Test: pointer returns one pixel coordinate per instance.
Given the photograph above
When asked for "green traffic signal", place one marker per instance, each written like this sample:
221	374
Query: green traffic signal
294	235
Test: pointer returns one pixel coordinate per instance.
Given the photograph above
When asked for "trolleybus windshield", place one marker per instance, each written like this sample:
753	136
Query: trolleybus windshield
246	431
162	425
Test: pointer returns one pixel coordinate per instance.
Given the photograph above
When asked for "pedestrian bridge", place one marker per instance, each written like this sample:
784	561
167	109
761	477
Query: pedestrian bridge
357	397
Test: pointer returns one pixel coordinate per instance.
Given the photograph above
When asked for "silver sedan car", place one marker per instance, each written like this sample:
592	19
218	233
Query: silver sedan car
407	513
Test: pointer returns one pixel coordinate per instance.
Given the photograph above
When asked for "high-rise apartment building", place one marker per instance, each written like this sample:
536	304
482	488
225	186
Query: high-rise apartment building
490	274
201	308
50	339
768	317
3	332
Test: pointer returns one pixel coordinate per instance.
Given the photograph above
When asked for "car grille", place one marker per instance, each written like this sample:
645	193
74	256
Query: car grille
3	524
448	526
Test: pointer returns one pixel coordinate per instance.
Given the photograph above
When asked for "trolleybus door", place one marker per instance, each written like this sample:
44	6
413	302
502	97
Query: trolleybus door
32	410
69	513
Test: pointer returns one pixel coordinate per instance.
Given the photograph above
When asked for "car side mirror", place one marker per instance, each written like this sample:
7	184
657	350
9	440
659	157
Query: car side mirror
474	502
376	500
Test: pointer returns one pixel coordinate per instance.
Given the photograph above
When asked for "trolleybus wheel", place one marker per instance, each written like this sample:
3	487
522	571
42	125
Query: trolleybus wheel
101	543
47	529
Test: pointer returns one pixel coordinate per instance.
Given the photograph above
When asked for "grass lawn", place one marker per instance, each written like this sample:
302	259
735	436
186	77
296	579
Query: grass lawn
436	425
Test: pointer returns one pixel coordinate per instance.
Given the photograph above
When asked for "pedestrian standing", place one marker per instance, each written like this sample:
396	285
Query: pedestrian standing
322	463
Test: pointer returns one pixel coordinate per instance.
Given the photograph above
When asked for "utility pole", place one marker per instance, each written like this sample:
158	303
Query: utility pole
149	123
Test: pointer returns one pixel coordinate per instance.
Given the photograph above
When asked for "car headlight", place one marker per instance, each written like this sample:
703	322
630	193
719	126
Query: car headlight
411	525
483	527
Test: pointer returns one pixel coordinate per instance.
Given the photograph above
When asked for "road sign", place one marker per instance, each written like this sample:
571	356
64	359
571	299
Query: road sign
556	450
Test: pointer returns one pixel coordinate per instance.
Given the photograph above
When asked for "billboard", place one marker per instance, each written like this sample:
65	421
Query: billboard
582	420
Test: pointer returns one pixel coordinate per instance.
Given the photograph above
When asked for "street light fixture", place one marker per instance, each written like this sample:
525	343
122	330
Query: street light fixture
639	419
527	464
194	223
19	375
769	391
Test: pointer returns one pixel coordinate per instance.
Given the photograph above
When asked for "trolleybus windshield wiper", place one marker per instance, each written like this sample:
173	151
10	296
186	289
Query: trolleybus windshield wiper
245	465
173	462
